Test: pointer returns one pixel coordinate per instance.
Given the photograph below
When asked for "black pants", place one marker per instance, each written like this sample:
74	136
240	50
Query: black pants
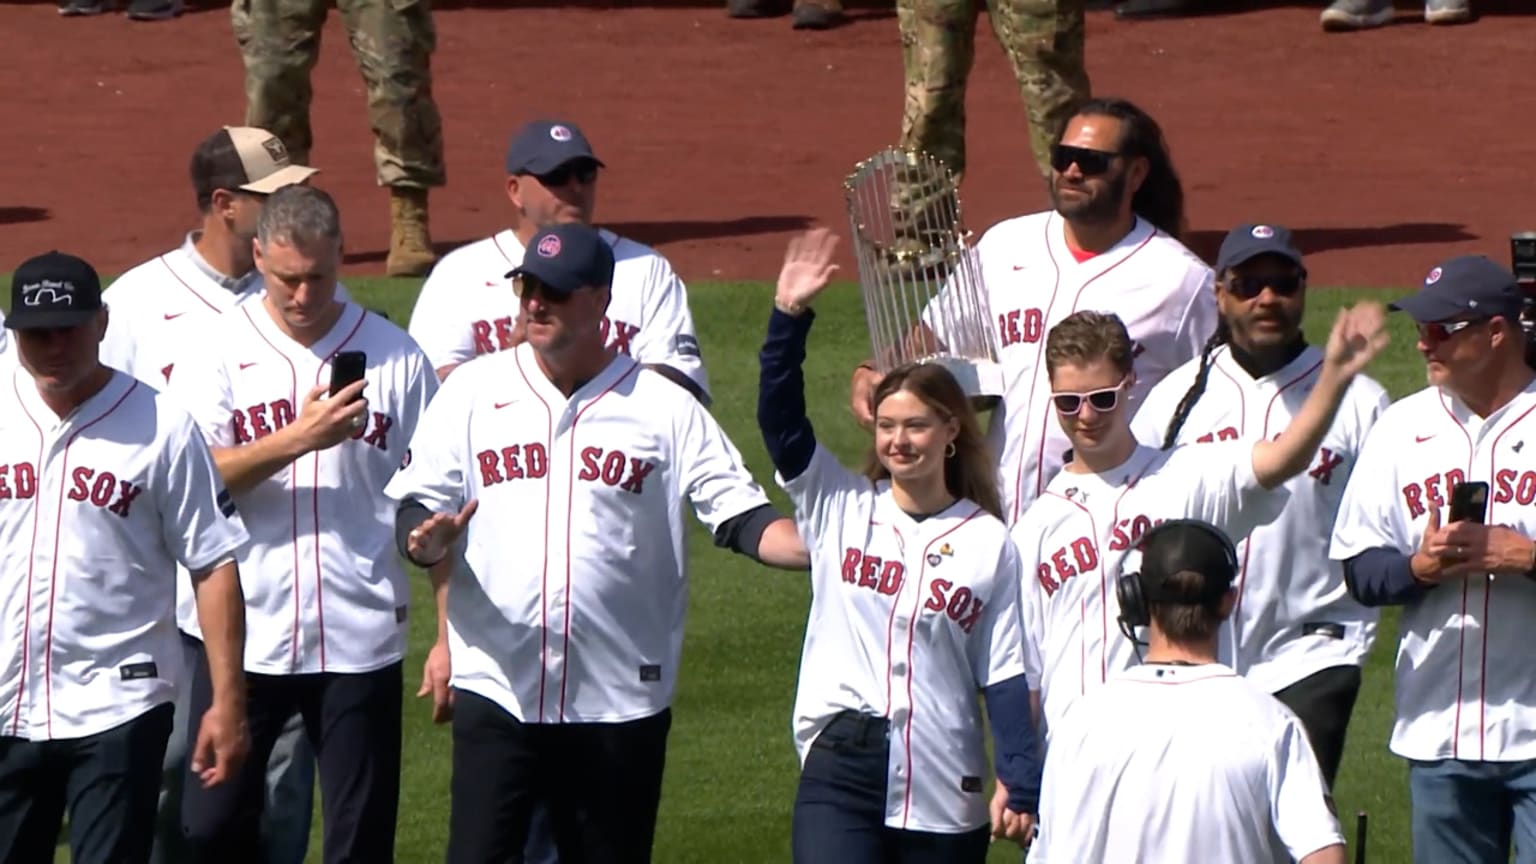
1324	702
601	783
353	722
839	813
109	783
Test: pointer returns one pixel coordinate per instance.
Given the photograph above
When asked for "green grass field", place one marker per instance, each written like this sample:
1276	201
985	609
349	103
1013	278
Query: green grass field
731	769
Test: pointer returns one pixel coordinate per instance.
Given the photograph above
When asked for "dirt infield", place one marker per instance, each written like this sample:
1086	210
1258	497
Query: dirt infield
1386	149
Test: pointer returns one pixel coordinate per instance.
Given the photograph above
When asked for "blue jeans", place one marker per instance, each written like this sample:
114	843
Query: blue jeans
290	785
1468	812
839	815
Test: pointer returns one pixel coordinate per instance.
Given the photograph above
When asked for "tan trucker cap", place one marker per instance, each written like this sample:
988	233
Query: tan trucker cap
265	161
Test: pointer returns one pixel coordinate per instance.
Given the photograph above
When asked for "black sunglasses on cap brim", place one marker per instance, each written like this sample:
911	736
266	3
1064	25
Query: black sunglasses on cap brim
1089	162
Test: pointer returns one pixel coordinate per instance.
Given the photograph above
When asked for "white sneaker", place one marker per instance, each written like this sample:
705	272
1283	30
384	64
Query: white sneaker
1357	14
1447	11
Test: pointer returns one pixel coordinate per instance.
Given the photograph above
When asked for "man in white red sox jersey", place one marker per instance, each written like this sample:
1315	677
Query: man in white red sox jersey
105	486
326	596
155	308
1295	631
1466	697
565	614
1076	539
466	307
1110	244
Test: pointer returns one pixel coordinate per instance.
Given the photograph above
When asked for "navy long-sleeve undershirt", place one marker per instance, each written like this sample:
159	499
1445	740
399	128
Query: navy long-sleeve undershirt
791	442
1382	577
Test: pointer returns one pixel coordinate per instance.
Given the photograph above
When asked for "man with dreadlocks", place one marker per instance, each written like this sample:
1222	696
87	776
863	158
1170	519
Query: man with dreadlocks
1295	631
1109	243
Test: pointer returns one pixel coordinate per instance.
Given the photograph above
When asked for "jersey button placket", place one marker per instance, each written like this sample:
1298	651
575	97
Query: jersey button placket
562	476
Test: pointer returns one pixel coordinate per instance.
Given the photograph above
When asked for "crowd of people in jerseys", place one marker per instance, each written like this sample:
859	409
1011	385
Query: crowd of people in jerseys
1146	584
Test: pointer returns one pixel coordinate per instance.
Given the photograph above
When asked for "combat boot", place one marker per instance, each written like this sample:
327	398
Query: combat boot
410	242
817	14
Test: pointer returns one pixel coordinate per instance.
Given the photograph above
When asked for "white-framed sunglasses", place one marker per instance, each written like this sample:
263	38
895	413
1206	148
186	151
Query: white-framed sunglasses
1069	404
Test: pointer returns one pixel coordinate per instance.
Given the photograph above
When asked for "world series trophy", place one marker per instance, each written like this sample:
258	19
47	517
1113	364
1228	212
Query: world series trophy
919	275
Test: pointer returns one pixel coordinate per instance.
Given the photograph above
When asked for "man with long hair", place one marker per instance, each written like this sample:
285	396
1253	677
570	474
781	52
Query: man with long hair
1110	243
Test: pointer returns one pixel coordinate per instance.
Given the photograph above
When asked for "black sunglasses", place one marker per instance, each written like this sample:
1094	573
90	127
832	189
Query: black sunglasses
581	170
1439	331
1101	400
1089	162
1249	287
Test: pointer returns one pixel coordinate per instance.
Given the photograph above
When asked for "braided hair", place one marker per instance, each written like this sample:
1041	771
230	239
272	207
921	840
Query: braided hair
1197	389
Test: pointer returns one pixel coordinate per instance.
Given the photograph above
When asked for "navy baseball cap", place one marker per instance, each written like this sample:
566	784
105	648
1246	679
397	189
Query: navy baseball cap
1187	545
1465	285
53	290
567	258
1246	242
544	145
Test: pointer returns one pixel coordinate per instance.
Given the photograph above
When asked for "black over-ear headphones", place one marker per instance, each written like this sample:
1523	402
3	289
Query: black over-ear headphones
1134	609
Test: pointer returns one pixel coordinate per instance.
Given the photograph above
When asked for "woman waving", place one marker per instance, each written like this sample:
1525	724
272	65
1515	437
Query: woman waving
915	608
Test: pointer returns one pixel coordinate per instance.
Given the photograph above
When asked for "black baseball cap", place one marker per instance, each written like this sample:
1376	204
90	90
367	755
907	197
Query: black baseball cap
1246	242
53	290
567	258
1187	545
544	145
1465	285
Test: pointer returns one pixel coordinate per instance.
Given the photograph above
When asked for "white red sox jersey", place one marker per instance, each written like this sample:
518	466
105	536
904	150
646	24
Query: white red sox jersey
1078	537
96	511
325	590
1464	688
1294	617
6	354
467	308
567	605
1159	289
153	311
1169	763
909	620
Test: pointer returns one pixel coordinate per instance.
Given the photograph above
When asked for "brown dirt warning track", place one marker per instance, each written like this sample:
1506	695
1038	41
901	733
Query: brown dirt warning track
1386	150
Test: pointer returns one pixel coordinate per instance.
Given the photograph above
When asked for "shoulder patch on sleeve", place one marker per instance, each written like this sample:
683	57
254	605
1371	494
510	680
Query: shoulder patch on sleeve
226	503
685	345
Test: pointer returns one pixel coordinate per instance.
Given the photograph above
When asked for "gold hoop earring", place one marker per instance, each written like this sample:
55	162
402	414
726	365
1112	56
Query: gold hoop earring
949	451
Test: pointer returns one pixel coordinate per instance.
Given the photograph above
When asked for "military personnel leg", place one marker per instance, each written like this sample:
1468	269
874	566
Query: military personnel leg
393	41
279	43
938	45
1044	40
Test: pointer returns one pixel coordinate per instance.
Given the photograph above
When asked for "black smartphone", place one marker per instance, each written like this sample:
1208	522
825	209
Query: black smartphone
347	367
1469	502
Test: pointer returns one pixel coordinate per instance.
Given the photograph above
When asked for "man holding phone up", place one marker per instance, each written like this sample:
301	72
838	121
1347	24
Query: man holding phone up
308	402
1436	518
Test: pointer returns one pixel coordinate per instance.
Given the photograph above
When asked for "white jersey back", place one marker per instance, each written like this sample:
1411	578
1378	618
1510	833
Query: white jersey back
1463	679
7	355
909	619
153	312
1182	764
1294	617
325	590
1161	291
568	604
96	511
1077	538
466	307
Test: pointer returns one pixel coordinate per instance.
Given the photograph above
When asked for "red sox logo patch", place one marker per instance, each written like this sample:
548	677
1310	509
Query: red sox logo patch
1263	232
1433	277
549	247
560	133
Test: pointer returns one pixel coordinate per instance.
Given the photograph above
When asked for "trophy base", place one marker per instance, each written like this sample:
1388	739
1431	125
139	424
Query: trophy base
981	380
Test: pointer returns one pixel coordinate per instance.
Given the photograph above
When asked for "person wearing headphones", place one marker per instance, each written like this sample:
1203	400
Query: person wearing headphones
1180	758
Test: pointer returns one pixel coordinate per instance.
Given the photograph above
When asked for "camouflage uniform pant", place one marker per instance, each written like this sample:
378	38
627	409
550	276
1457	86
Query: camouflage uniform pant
1044	42
392	41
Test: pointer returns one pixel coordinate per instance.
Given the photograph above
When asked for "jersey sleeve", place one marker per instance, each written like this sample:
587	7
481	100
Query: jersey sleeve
200	384
996	651
421	386
1369	514
711	473
821	494
1299	798
198	521
118	345
1200	316
1221	487
1150	422
438	323
1026	533
953	311
432	471
668	337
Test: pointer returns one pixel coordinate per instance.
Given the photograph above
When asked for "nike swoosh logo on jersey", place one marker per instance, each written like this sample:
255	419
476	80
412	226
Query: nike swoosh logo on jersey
244	366
1420	439
1018	267
173	316
500	405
